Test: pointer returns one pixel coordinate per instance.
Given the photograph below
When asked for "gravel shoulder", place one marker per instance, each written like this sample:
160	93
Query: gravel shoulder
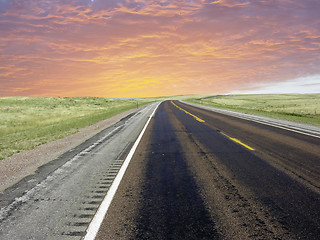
20	165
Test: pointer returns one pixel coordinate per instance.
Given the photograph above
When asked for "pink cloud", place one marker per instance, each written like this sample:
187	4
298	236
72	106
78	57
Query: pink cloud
100	48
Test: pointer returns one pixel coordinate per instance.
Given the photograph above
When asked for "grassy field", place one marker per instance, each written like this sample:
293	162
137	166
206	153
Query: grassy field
26	122
303	108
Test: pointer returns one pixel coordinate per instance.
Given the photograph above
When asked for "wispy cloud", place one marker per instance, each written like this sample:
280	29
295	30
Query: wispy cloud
161	47
299	85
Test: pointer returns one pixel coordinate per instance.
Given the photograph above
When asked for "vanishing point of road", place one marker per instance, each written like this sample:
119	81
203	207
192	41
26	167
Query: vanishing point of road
196	174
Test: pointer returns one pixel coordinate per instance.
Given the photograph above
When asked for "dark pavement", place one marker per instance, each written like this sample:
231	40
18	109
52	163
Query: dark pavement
202	175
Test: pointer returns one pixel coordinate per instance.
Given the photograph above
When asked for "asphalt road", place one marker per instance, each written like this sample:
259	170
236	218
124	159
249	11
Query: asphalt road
198	174
61	198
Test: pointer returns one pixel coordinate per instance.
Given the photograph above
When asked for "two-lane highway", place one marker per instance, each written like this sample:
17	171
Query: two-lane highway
198	174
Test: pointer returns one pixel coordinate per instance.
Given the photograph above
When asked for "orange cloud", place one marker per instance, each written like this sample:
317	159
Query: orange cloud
147	48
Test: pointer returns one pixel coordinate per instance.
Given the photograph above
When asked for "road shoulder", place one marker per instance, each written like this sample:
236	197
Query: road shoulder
302	128
15	168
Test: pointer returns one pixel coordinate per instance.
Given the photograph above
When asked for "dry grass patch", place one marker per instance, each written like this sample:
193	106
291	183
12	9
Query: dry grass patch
27	122
303	108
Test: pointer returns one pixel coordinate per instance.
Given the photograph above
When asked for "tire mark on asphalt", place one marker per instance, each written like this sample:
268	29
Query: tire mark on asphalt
172	207
285	200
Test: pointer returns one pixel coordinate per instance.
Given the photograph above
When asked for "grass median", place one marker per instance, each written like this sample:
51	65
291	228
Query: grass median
304	108
26	122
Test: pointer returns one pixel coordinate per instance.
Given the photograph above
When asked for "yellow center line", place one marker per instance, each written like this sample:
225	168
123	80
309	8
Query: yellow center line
238	141
198	119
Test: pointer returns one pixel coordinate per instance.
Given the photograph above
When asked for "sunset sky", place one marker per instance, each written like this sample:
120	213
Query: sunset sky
138	48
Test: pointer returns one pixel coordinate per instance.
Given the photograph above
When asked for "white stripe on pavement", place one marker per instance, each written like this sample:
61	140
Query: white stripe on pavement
99	216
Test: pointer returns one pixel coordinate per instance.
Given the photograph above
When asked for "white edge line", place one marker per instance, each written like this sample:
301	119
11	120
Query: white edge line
258	121
26	196
102	210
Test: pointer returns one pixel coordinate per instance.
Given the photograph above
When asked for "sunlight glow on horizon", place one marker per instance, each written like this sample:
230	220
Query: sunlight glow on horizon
142	48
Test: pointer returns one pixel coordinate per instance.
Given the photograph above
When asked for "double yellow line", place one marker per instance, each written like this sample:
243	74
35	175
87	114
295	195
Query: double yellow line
202	121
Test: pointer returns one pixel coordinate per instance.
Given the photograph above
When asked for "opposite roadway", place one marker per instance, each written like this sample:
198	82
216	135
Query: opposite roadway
196	174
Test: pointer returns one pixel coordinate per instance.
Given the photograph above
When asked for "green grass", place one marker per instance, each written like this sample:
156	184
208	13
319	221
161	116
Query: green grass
303	108
26	122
